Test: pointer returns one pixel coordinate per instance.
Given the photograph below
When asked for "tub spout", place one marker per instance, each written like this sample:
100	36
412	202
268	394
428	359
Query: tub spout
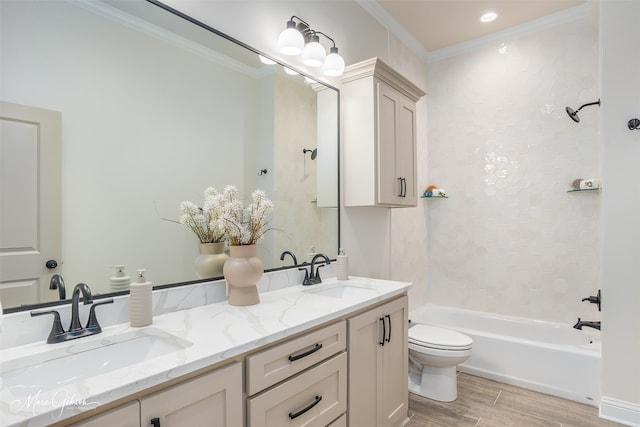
580	323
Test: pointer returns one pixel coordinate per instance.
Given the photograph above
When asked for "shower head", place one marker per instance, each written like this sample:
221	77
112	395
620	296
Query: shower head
313	152
574	113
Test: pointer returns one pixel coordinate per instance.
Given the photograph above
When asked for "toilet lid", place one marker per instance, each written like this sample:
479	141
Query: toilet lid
431	336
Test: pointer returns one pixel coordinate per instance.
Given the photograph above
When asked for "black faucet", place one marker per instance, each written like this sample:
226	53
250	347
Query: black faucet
75	301
283	254
595	299
57	282
315	277
581	323
76	330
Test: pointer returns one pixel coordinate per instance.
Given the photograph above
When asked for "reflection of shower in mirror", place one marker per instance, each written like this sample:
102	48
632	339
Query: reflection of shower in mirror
313	152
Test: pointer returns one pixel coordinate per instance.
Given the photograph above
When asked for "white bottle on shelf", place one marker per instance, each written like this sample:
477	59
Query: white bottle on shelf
342	267
141	302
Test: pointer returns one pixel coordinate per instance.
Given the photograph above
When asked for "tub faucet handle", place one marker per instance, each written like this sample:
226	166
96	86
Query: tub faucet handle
595	299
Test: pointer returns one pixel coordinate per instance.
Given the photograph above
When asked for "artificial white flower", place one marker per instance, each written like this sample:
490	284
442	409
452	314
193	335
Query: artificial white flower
205	221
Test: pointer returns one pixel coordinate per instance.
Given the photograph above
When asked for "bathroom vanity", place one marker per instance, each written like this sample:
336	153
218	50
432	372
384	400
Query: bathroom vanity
324	354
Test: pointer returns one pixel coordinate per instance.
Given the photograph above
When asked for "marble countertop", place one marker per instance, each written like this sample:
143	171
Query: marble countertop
205	335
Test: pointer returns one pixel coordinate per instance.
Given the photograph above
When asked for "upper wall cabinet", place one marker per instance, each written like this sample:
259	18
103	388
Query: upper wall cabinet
379	125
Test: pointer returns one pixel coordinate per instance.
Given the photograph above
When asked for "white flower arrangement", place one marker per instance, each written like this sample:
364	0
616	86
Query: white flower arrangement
244	226
222	217
205	220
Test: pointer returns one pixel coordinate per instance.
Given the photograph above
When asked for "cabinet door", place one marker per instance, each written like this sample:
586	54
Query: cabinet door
378	364
127	415
389	183
396	146
213	399
405	154
365	336
395	364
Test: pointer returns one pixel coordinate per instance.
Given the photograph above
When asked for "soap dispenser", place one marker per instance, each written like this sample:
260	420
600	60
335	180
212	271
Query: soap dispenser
119	282
342	268
140	302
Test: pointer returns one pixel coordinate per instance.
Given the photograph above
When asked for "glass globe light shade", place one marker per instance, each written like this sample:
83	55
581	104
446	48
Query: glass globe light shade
290	41
313	54
333	64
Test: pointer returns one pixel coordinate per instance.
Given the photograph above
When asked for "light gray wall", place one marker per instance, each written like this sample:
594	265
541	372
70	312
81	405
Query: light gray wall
621	210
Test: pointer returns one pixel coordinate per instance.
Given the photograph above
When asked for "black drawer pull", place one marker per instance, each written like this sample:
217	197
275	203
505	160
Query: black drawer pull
155	422
388	339
293	415
384	331
293	358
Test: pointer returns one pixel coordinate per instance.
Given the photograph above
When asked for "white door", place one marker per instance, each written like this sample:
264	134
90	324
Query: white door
29	202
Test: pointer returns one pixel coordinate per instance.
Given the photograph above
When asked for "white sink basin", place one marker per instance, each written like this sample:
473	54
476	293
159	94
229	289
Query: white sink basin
48	370
341	290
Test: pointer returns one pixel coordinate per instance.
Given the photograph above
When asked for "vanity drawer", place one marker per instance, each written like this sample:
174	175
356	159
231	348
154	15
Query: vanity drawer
278	363
313	398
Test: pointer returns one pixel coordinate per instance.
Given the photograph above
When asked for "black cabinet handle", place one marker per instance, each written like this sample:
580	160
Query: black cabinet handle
403	187
400	179
389	318
52	263
293	415
155	422
384	331
293	358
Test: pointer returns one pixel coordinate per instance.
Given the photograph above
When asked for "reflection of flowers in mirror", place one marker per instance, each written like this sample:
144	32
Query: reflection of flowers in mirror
244	226
205	221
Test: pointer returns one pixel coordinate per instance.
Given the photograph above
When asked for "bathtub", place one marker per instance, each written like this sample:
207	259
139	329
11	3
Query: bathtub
548	357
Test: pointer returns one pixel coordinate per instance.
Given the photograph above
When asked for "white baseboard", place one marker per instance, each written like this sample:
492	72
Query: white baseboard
622	412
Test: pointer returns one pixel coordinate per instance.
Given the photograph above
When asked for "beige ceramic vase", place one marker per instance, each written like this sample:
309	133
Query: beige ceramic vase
211	259
242	271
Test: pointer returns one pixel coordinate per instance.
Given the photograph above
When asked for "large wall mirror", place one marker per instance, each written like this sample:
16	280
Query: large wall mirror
154	109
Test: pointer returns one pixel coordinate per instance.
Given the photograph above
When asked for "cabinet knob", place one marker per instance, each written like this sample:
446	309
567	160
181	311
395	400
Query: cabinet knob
52	263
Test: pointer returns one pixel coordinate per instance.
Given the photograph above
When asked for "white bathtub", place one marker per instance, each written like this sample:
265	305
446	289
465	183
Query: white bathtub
548	357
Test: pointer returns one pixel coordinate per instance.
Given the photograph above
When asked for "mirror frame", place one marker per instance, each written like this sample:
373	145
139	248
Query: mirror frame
157	3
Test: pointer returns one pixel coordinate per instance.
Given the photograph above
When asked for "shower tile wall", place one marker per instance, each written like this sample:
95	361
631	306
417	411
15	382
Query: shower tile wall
510	239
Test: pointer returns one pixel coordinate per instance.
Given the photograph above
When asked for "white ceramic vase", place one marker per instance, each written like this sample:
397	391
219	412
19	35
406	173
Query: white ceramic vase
242	271
211	260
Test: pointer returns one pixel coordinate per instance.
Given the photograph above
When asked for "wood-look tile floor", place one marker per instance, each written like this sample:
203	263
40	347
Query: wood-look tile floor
486	403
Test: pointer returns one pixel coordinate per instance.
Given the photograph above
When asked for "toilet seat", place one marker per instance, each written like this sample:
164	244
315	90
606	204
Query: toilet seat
438	338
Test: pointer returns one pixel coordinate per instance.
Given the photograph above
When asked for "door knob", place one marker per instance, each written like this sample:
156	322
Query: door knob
52	263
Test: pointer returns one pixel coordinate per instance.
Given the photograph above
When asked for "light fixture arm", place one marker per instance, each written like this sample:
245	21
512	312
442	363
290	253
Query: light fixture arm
320	32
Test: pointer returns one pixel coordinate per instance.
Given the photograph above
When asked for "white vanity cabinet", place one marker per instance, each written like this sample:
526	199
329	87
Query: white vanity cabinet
127	415
379	129
214	399
378	366
302	381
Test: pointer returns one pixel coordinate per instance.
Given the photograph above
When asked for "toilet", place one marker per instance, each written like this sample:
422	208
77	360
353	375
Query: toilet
434	353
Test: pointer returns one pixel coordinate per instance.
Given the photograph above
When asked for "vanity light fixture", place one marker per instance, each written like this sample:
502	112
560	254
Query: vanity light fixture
489	16
313	54
299	39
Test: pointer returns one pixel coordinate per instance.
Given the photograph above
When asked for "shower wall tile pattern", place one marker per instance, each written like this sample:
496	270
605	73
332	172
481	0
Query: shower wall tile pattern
510	239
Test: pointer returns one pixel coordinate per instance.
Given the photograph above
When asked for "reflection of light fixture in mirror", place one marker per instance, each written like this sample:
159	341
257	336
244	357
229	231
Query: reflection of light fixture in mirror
290	71
266	60
313	53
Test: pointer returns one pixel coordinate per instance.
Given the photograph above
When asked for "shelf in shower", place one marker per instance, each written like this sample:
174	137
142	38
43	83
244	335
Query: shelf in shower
577	190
